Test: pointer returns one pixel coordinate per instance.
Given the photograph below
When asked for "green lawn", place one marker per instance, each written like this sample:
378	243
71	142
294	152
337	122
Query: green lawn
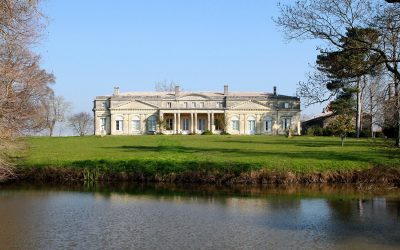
299	154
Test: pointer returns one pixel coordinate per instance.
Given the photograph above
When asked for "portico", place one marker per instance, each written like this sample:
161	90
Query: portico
189	122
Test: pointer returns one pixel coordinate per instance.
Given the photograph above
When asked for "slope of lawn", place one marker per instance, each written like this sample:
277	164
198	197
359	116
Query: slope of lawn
299	154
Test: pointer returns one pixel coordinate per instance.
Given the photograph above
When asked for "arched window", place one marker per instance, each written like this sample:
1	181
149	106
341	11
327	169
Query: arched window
119	123
235	123
136	124
251	125
151	124
268	124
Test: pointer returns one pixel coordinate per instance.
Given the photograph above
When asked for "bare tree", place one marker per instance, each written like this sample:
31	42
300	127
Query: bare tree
81	123
374	97
165	86
329	20
55	110
23	84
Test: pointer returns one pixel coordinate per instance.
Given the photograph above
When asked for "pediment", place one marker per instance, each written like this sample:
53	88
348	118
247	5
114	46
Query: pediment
136	105
249	105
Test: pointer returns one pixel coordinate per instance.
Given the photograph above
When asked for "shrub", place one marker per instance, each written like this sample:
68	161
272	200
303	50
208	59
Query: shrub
318	131
351	134
207	132
224	133
365	133
310	131
327	132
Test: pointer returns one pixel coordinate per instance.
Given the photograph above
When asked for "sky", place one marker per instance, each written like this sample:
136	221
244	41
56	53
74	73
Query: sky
93	45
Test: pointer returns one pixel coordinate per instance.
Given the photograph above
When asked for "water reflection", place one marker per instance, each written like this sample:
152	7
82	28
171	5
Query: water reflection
190	216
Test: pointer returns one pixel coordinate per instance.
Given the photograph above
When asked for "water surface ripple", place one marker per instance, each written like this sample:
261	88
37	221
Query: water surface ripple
198	217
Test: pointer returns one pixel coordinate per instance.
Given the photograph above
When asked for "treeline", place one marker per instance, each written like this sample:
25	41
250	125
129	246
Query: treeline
357	70
28	104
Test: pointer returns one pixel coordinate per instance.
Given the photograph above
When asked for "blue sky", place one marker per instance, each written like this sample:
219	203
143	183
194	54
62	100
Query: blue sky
92	46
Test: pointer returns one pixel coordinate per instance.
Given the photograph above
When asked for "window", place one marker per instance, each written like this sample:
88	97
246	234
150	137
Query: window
202	124
185	124
103	124
218	124
201	104
286	123
151	124
186	105
104	104
119	124
251	125
169	124
235	123
169	104
286	105
268	125
219	105
136	124
193	104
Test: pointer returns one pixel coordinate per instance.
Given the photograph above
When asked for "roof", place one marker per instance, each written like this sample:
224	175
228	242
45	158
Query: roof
187	93
320	116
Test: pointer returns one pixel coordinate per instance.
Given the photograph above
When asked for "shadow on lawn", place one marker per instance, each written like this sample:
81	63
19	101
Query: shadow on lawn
309	143
364	157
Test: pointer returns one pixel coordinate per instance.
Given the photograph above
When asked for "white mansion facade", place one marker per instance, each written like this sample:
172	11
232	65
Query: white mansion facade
240	113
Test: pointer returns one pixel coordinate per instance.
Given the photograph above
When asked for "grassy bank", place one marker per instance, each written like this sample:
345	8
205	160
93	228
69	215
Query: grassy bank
205	157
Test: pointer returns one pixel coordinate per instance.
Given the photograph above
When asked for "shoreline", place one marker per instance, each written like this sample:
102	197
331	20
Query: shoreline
376	175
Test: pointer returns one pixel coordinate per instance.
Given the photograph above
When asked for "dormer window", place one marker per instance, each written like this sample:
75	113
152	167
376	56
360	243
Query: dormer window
169	105
219	105
193	104
201	104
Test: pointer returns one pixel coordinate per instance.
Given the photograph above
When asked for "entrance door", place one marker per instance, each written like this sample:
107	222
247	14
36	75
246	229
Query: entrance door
201	124
185	125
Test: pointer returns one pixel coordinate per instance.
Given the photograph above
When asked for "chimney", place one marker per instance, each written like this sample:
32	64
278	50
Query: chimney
226	88
275	90
116	90
177	90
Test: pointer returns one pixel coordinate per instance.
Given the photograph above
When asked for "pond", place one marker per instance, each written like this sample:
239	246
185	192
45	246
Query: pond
129	216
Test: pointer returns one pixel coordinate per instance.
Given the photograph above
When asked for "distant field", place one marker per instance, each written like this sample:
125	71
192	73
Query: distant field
299	154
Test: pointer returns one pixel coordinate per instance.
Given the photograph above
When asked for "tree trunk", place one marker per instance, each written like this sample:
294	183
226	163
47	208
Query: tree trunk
342	137
52	124
397	96
371	109
358	117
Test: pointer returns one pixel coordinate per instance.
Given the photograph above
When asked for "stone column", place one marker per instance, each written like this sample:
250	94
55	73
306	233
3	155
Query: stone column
298	128
175	127
208	122
212	122
245	124
162	122
141	124
128	124
191	123
179	123
112	127
195	123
